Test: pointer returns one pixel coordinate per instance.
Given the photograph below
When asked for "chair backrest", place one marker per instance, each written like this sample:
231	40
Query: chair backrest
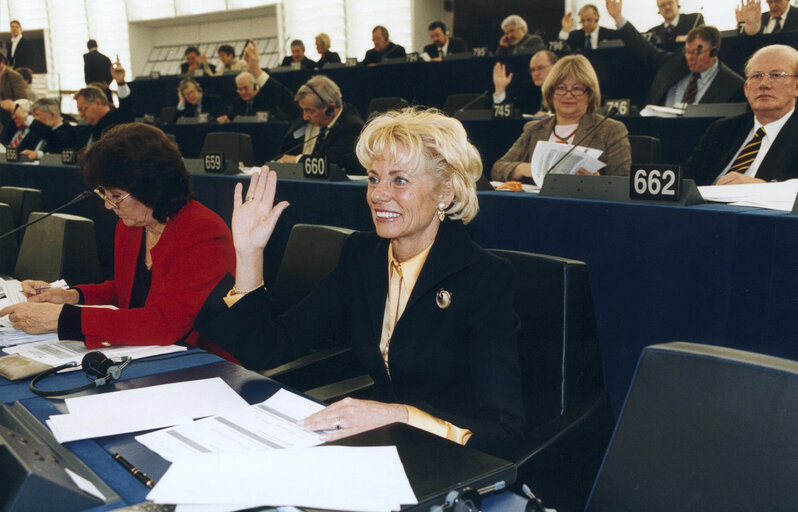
8	245
168	115
558	347
22	201
59	247
311	253
645	149
704	428
384	104
455	102
235	146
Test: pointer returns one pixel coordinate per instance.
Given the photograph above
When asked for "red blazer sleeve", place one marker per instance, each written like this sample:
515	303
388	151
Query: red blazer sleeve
194	253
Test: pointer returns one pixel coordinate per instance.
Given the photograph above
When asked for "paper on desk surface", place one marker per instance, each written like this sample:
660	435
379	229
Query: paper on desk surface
54	353
133	410
546	154
660	111
775	196
332	477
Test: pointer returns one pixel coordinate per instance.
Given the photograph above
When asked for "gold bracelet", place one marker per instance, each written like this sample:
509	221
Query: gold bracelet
234	291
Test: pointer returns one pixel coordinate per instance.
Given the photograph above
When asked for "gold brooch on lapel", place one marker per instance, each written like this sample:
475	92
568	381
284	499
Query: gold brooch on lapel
443	299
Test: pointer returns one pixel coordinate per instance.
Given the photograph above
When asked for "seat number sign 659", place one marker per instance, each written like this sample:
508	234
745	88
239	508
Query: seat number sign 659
655	183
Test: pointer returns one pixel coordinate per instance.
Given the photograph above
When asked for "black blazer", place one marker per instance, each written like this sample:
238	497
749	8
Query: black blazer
456	45
392	51
576	38
28	142
56	140
725	136
670	67
273	97
525	94
96	67
23	57
338	144
459	363
328	58
686	23
211	103
115	116
305	63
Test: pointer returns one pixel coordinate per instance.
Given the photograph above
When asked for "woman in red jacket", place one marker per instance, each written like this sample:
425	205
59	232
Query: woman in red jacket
170	251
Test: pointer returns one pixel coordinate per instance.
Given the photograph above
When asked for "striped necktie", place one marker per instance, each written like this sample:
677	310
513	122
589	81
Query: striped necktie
692	89
17	138
748	153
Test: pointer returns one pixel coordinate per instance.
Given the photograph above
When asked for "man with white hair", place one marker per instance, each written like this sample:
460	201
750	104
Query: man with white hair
46	121
516	38
758	146
17	135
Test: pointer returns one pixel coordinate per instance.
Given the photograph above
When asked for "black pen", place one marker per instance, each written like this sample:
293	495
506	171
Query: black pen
140	476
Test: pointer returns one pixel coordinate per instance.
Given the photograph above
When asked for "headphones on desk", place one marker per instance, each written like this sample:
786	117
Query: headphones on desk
330	108
99	369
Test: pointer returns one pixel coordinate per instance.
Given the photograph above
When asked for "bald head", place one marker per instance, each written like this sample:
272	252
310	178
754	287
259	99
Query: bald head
771	86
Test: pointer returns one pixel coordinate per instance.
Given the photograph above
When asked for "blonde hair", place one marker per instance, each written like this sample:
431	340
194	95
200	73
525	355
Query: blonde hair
324	39
578	68
426	141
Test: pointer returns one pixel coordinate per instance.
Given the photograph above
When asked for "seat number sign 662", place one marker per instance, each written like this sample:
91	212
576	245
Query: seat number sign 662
655	183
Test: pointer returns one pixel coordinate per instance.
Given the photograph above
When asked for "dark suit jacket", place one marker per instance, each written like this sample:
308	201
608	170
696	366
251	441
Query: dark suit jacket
525	94
456	45
328	58
23	57
56	140
392	51
211	103
788	24
12	85
305	63
338	144
725	136
458	363
576	38
115	116
670	67
531	43
96	67
273	97
184	68
10	130
686	23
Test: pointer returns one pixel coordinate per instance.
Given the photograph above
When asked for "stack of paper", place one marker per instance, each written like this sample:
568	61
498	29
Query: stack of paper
546	156
660	111
46	349
775	196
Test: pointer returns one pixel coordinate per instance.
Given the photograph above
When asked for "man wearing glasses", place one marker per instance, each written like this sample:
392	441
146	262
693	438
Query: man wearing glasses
758	146
692	74
591	34
676	25
525	93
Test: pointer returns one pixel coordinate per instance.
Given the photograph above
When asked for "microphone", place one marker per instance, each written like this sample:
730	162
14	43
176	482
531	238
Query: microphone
295	147
700	15
611	112
78	198
483	95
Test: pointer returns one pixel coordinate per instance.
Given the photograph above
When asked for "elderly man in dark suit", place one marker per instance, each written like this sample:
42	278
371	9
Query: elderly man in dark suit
517	39
384	48
17	134
98	112
590	35
12	85
20	51
676	25
96	66
758	146
47	123
442	45
692	74
780	17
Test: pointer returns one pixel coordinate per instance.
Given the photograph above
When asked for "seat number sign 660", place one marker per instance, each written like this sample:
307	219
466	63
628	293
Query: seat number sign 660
655	183
315	167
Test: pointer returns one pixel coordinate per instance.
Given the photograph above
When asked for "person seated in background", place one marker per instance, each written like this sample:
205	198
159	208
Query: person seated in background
516	38
298	55
323	44
196	63
55	134
169	251
258	92
98	112
229	61
692	74
12	85
16	133
589	37
191	101
384	48
421	191
676	25
27	75
525	94
572	92
442	45
780	17
757	146
328	126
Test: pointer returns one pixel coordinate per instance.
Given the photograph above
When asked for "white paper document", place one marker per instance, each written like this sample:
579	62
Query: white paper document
333	477
139	409
660	111
269	425
775	196
546	154
54	353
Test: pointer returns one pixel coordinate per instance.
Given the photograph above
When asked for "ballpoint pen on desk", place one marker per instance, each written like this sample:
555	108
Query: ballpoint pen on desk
133	470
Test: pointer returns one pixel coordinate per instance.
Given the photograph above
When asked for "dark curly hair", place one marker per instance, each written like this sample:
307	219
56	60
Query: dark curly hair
140	159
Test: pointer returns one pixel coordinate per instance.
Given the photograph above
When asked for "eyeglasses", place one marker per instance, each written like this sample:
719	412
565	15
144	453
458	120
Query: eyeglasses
777	77
696	53
576	91
112	199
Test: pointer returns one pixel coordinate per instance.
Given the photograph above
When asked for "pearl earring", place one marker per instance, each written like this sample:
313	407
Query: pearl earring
441	211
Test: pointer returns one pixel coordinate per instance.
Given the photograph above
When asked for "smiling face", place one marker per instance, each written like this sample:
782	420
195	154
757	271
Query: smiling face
569	104
404	205
771	99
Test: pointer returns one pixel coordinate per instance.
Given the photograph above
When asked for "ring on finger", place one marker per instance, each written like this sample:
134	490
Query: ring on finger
337	423
250	198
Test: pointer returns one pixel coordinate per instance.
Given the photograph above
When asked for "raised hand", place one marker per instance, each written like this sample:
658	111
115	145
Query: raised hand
615	9
567	22
118	72
501	79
